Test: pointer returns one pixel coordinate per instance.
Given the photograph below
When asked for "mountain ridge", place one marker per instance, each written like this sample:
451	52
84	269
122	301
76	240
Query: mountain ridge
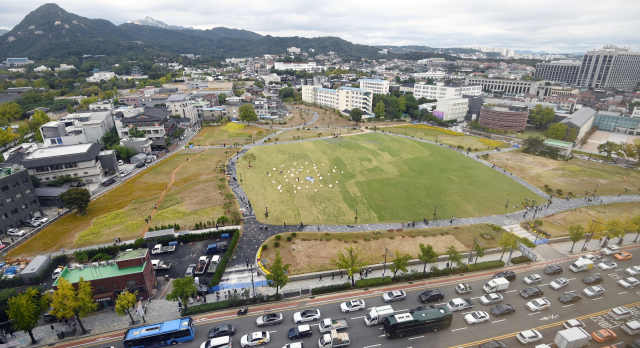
156	23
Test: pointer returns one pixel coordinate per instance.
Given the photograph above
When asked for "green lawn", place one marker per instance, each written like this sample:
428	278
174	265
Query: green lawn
386	178
467	141
531	132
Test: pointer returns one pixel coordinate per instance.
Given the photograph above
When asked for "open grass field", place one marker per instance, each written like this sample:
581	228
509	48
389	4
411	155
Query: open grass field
229	133
558	225
313	252
386	178
193	197
298	134
448	137
575	176
530	132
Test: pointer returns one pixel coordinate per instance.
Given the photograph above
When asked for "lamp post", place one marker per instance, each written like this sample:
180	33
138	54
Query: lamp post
253	286
434	214
384	265
586	240
356	216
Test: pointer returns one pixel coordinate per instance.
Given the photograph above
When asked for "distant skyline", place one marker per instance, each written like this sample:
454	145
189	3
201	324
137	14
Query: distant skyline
545	25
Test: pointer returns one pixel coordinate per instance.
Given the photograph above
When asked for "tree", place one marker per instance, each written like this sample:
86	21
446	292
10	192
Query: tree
541	117
614	228
399	263
25	308
38	119
608	148
68	302
222	98
134	132
247	113
125	301
479	249
34	181
249	157
183	288
356	115
507	242
379	109
222	220
10	110
285	93
534	144
349	260
124	152
636	226
454	257
629	150
556	131
427	255
572	134
111	138
7	135
76	198
277	276
238	92
576	232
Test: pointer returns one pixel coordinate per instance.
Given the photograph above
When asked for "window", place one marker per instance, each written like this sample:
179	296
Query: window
9	200
102	288
71	165
46	179
86	173
34	202
14	212
25	180
19	195
131	284
5	188
75	174
24	206
15	184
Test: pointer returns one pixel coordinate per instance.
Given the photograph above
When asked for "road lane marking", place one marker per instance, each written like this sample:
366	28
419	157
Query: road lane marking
358	317
497	321
599	298
506	292
460	329
568	305
381	335
413	338
271	331
375	345
571	279
402	310
534	313
624	292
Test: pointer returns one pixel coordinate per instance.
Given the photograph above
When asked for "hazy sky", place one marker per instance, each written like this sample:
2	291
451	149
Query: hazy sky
542	25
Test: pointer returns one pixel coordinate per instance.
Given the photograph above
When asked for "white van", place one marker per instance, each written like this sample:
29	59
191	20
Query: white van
217	342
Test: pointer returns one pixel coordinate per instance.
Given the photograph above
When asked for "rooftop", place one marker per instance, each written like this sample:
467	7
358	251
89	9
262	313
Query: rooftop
131	254
59	151
558	143
91	273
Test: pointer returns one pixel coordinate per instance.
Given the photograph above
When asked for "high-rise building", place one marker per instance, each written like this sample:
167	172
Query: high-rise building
559	71
610	66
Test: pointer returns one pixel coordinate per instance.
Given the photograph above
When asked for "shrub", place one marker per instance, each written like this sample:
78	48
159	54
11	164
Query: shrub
101	257
278	237
486	265
276	244
264	247
293	234
330	288
365	283
520	259
289	238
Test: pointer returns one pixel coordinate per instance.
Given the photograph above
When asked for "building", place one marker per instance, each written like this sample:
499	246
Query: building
613	122
153	121
636	112
343	98
77	128
18	200
407	88
562	104
30	273
431	74
180	105
511	119
565	71
101	75
64	67
130	271
17	61
378	86
136	72
475	103
452	109
306	66
507	86
610	67
581	120
293	50
441	91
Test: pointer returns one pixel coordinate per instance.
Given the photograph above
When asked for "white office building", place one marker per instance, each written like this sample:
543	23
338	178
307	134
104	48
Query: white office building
378	86
306	66
343	98
610	66
452	109
440	91
77	128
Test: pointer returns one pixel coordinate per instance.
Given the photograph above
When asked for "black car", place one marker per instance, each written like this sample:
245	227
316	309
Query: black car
509	275
108	182
553	269
569	297
503	309
140	164
493	344
531	292
222	330
592	279
300	331
432	295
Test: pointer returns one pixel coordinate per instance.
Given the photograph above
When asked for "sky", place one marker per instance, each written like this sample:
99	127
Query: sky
541	25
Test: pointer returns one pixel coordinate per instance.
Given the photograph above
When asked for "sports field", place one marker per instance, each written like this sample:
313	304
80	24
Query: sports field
386	178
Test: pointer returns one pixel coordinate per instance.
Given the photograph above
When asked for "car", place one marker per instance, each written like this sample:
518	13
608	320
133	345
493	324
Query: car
531	292
633	270
301	331
476	317
190	269
509	275
611	249
620	313
300	345
140	164
490	299
592	279
607	265
604	335
15	232
593	291
628	283
269	319
493	344
31	223
589	257
571	323
56	273
41	219
532	279
255	339
120	162
529	336
222	330
569	297
48	316
538	305
352	306
553	269
559	283
395	295
306	315
502	309
433	295
108	182
423	308
124	173
622	256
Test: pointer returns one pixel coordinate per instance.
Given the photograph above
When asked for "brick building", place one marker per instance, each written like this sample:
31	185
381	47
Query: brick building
512	119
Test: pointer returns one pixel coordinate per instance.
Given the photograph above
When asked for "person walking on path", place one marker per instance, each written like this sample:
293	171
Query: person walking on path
320	277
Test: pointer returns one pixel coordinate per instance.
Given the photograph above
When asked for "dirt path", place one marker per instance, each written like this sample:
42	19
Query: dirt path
173	179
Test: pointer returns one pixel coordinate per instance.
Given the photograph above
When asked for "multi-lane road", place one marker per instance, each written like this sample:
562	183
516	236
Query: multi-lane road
592	311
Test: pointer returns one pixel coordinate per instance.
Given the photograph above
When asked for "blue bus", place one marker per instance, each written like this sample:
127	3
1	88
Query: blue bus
161	334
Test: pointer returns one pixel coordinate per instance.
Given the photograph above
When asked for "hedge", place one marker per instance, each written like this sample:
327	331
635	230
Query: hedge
520	259
330	288
365	283
225	260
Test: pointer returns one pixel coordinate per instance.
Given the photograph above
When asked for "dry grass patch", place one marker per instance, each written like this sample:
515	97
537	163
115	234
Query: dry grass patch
558	225
229	133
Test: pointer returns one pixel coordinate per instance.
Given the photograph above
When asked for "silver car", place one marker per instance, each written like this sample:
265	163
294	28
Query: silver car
490	299
559	283
593	291
15	232
532	279
269	319
395	295
189	272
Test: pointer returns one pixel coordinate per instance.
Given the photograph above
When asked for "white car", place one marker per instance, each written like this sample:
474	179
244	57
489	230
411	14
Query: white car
529	336
396	295
40	219
352	306
589	257
593	291
476	317
629	283
15	232
120	162
124	172
255	339
633	270
538	305
532	279
306	315
573	323
610	250
56	273
490	299
559	283
607	265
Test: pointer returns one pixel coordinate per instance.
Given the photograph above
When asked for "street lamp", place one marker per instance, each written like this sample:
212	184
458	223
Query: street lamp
434	214
384	265
356	216
586	240
253	286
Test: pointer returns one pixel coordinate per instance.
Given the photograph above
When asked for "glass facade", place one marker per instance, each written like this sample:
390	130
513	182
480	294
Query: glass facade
611	123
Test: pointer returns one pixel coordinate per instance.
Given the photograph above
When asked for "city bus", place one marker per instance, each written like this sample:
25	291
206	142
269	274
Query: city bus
417	322
161	334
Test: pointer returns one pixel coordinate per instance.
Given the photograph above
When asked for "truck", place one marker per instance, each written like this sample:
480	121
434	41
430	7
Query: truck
377	315
334	340
160	265
496	285
457	304
329	324
575	337
213	265
580	265
161	249
202	265
463	288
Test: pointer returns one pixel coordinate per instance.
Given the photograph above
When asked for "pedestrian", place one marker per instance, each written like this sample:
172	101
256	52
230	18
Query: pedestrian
66	322
119	240
154	206
284	224
247	263
11	333
341	274
204	299
447	264
370	269
146	221
52	329
62	249
403	225
360	274
321	277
